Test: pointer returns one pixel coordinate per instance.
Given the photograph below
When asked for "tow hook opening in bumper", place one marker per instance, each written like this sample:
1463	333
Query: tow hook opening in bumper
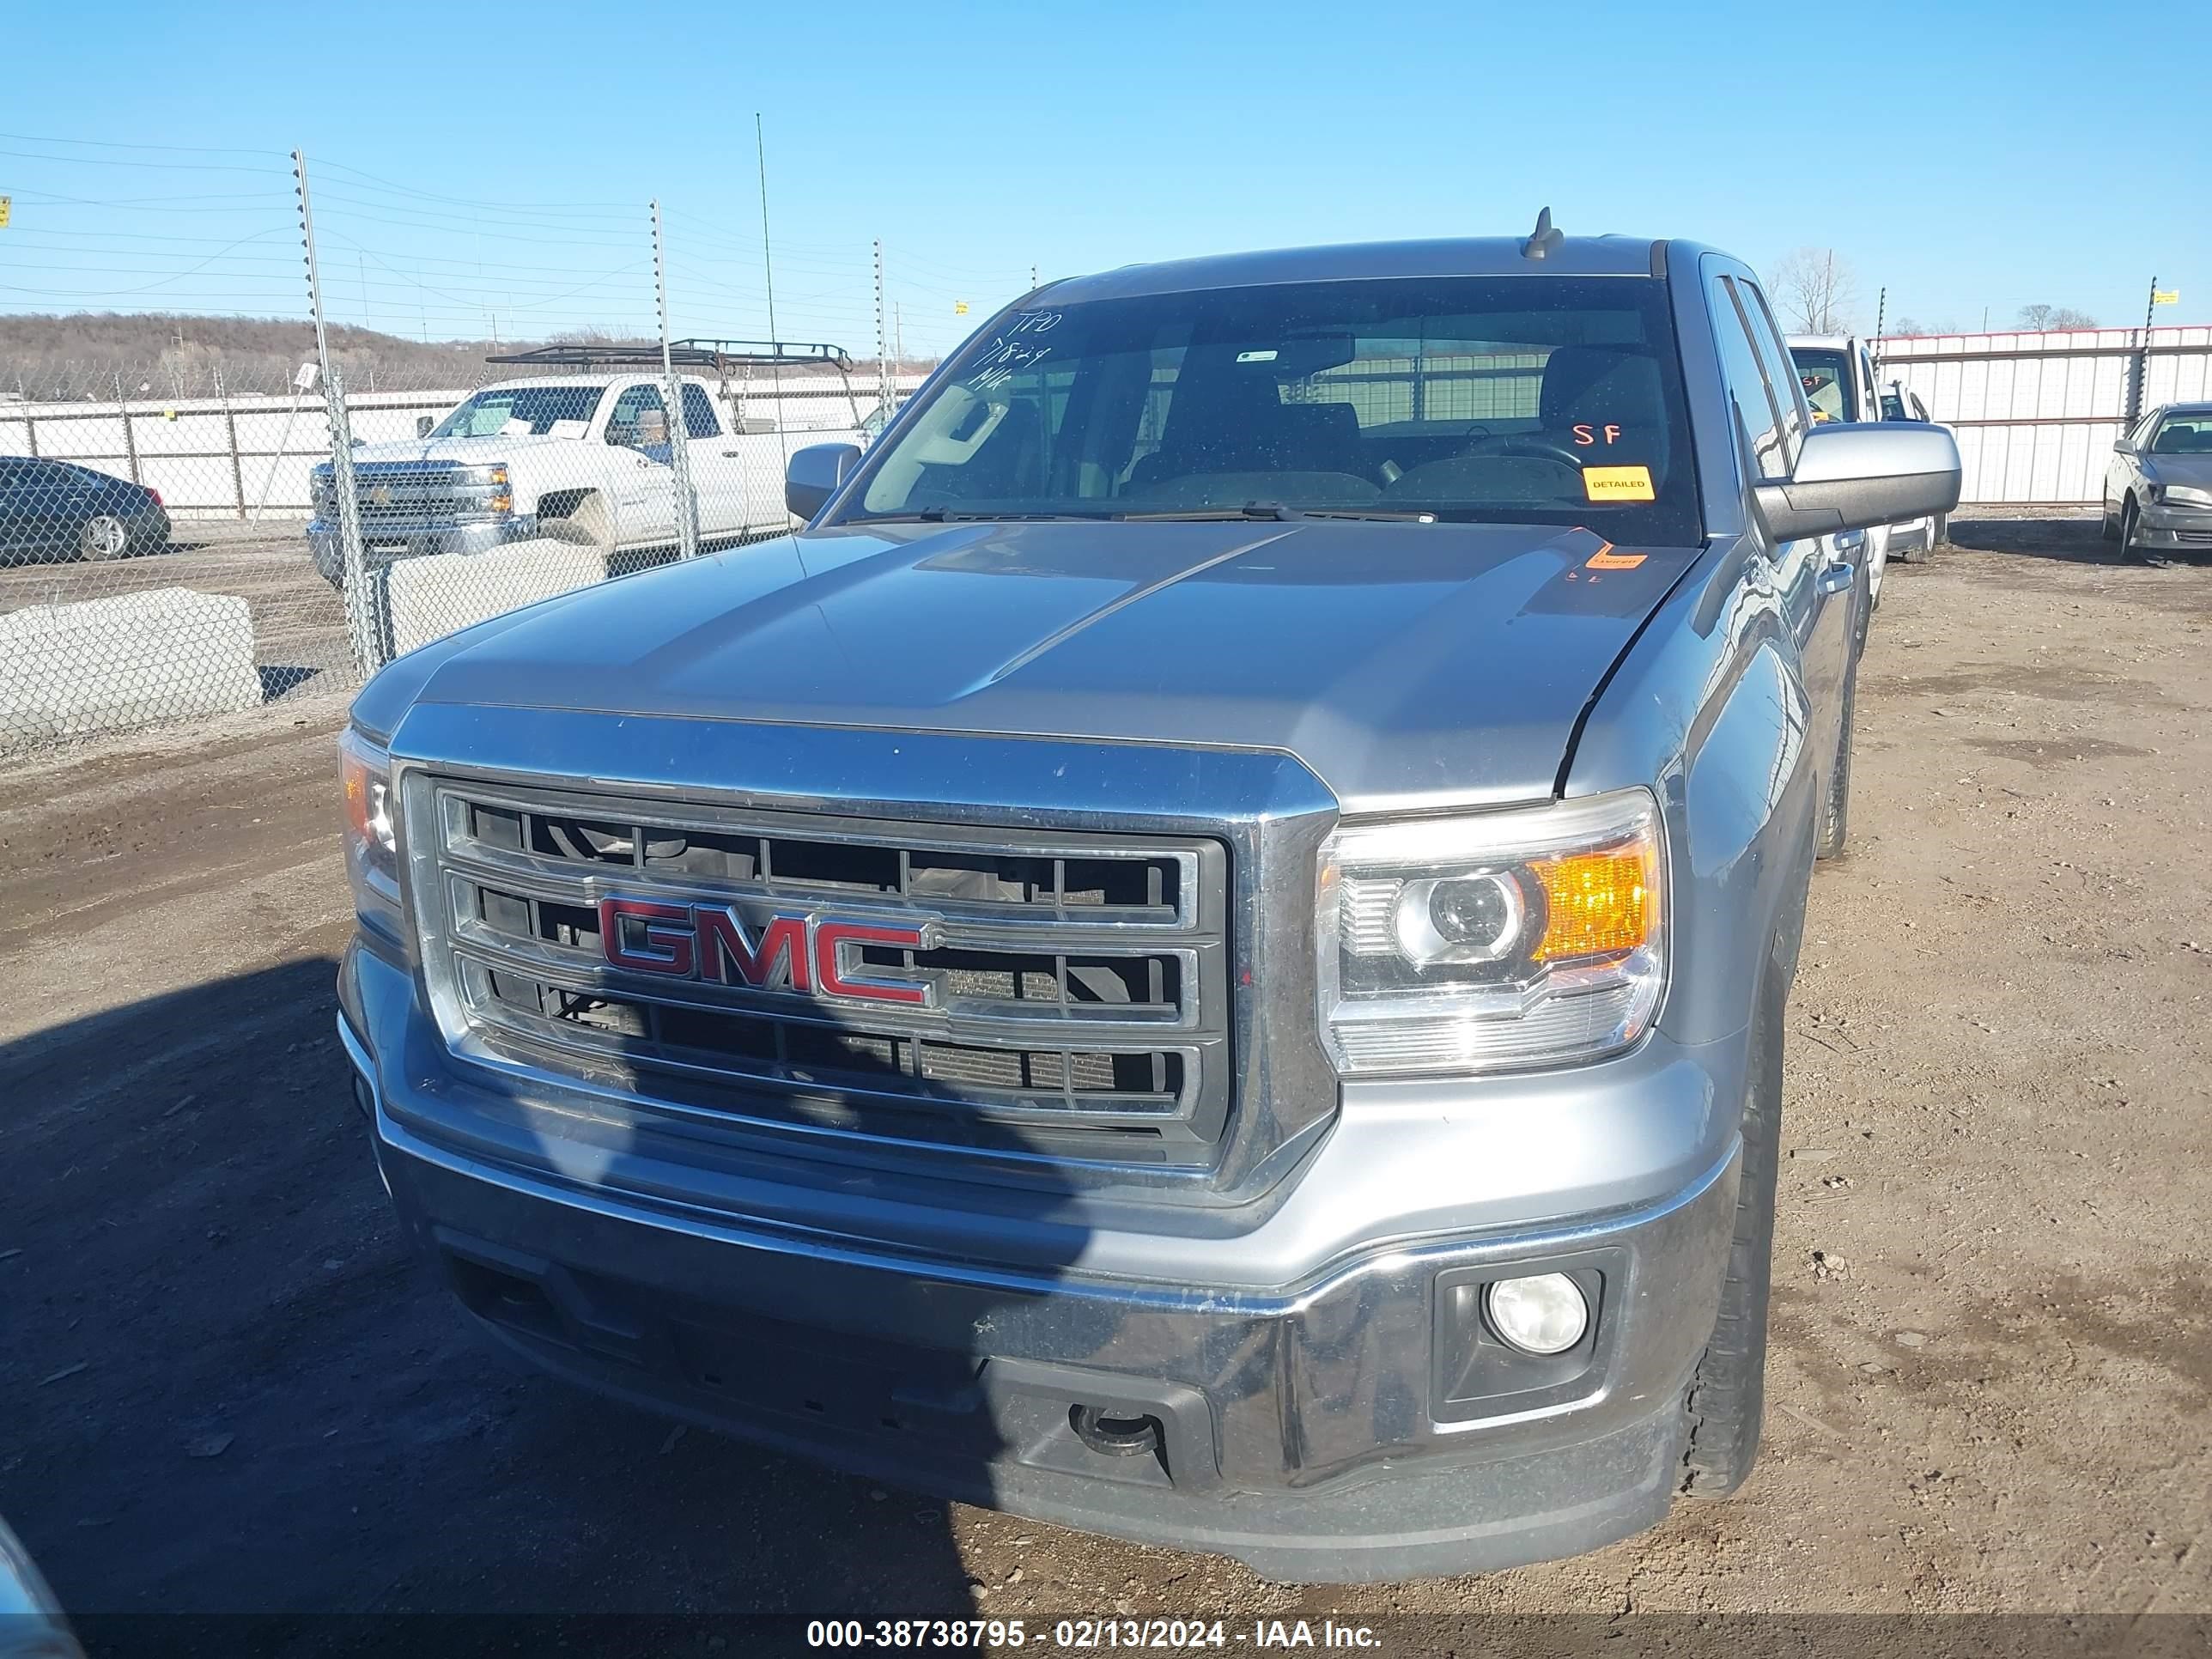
1114	1434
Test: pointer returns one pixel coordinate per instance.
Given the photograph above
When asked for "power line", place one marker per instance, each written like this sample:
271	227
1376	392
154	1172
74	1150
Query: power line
150	204
462	201
105	143
162	167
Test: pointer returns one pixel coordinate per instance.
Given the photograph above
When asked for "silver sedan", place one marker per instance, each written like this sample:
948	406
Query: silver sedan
2158	486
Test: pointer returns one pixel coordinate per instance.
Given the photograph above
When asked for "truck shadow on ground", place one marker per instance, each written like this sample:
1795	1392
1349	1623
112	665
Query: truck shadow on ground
228	1386
2071	541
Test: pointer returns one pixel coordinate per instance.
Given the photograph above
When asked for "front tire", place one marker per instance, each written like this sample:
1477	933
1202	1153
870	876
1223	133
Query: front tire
1726	1401
2130	553
103	536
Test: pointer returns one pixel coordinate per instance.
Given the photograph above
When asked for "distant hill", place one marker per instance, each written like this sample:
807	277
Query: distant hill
81	356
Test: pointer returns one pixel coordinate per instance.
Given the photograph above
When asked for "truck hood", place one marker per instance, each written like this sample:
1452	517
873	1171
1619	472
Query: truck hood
469	451
1402	663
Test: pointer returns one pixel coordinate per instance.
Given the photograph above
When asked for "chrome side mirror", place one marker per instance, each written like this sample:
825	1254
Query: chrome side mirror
815	473
1855	477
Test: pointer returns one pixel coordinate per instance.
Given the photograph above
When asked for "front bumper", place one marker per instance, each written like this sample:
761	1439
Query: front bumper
1914	536
2179	529
1348	1422
382	544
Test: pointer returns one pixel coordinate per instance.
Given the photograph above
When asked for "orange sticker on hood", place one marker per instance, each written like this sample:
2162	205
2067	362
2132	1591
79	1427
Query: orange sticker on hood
1606	559
1617	483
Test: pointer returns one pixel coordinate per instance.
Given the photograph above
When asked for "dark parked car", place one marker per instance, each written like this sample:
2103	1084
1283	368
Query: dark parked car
51	508
2158	485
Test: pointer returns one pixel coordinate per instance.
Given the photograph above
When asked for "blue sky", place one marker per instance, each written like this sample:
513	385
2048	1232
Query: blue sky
1968	157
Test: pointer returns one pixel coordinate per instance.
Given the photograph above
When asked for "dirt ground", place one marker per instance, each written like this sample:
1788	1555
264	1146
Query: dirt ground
224	1386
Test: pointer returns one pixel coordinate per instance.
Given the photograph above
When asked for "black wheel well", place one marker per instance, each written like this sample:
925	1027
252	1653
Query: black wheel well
562	503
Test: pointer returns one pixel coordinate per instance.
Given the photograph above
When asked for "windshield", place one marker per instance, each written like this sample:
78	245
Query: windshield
2184	435
1534	400
1822	372
487	414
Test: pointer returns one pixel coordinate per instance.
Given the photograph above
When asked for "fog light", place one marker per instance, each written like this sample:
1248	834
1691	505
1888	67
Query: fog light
1544	1314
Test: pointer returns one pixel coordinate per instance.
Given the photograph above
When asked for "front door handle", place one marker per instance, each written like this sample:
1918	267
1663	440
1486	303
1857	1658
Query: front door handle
1837	578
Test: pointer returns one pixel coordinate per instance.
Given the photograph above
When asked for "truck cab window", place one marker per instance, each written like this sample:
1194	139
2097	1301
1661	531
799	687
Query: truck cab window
699	418
1774	358
640	421
1759	417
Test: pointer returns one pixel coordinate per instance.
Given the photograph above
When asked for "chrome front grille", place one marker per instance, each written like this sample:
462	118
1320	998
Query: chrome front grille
1076	987
398	494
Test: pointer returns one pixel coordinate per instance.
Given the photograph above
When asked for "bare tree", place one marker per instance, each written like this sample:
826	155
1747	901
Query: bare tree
1817	288
2052	319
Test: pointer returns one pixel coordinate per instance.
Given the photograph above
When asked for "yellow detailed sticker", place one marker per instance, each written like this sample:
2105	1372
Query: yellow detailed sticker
1606	559
1617	483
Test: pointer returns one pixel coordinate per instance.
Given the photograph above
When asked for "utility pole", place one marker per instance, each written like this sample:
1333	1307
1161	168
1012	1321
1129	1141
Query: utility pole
2139	389
883	342
898	330
230	433
679	452
361	611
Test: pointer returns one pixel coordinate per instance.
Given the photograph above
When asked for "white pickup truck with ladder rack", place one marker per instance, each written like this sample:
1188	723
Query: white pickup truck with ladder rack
588	456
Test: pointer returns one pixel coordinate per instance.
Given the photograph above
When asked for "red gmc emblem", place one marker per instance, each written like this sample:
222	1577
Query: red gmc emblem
807	955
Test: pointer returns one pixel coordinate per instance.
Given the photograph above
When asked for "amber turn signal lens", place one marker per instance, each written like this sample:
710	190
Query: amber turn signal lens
356	794
1596	903
367	797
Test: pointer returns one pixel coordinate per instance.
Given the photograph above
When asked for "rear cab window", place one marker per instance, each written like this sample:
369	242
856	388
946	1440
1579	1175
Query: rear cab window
700	420
1532	399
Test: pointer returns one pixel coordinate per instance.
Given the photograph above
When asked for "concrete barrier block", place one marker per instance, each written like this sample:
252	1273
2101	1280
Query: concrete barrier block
430	597
77	670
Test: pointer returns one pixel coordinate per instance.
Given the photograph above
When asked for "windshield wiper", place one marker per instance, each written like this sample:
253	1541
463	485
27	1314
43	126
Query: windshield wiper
1276	510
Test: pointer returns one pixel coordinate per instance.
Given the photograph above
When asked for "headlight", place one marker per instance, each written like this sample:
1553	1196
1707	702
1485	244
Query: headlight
1492	941
372	841
2185	496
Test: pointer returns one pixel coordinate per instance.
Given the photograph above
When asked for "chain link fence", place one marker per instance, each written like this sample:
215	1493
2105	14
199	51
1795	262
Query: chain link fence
261	507
569	463
151	555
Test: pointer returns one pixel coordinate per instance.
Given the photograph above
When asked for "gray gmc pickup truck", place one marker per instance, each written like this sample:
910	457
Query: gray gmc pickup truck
1202	955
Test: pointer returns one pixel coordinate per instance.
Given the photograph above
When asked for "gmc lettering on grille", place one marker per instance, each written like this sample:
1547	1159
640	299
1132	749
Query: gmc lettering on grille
792	951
